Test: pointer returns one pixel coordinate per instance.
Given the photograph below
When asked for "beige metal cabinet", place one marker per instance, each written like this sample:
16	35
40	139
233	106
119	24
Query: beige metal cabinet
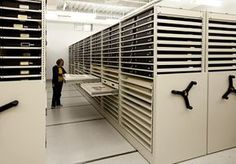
152	52
222	113
22	128
180	133
221	78
22	81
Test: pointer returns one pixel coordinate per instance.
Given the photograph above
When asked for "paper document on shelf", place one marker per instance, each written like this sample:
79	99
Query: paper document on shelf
98	89
75	77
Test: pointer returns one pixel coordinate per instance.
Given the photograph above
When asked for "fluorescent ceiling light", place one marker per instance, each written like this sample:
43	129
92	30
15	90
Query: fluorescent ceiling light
73	16
76	17
51	16
216	3
112	21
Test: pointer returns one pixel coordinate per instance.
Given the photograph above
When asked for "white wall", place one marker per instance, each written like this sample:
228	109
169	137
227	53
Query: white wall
59	37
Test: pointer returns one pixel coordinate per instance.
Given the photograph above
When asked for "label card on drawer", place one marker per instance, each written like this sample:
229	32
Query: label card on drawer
24	6
26	54
24	63
18	26
25	72
24	35
22	16
25	44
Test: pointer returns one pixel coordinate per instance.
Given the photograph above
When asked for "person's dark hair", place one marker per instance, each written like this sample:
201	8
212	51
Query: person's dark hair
59	61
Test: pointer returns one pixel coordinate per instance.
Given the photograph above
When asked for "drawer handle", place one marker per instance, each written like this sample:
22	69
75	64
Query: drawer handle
9	105
231	88
185	94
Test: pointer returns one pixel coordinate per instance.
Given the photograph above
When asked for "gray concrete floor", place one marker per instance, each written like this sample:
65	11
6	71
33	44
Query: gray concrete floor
77	133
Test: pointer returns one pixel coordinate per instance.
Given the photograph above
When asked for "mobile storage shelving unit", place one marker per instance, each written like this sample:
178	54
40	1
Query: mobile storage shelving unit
171	89
22	81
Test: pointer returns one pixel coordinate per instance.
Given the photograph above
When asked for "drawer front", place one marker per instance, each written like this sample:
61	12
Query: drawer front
222	113
22	128
180	131
98	89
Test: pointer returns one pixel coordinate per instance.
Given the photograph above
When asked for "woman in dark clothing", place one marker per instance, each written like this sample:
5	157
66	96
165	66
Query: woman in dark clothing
57	83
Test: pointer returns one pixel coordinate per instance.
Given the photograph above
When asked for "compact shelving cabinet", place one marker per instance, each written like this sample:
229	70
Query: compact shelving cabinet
180	86
70	60
221	61
110	69
87	55
174	70
97	54
81	57
137	74
21	40
76	58
110	54
73	61
22	79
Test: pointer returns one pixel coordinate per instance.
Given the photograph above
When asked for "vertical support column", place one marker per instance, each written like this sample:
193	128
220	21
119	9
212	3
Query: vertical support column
154	113
120	109
102	106
205	42
43	56
91	49
84	43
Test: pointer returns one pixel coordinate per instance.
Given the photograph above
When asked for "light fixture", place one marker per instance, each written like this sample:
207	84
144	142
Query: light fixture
112	21
73	16
215	3
77	17
51	15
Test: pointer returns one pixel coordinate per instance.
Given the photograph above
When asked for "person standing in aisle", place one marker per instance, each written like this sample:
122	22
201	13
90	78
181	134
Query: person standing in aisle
57	83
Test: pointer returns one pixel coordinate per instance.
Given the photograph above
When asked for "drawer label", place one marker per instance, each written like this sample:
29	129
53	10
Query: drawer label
24	63
26	54
18	26
22	16
25	72
24	35
25	44
24	6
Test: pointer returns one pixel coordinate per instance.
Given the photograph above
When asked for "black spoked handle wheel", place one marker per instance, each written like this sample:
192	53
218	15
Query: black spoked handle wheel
185	94
230	89
9	105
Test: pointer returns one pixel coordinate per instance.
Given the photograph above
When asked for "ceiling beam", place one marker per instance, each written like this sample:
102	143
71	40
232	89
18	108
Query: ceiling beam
135	1
123	3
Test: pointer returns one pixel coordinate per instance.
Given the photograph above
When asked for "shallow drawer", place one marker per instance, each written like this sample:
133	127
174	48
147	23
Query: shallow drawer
146	40
144	34
145	27
22	5
146	20
99	89
126	22
144	14
74	78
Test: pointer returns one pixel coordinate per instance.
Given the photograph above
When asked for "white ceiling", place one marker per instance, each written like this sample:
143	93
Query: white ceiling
115	9
226	6
119	7
103	9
